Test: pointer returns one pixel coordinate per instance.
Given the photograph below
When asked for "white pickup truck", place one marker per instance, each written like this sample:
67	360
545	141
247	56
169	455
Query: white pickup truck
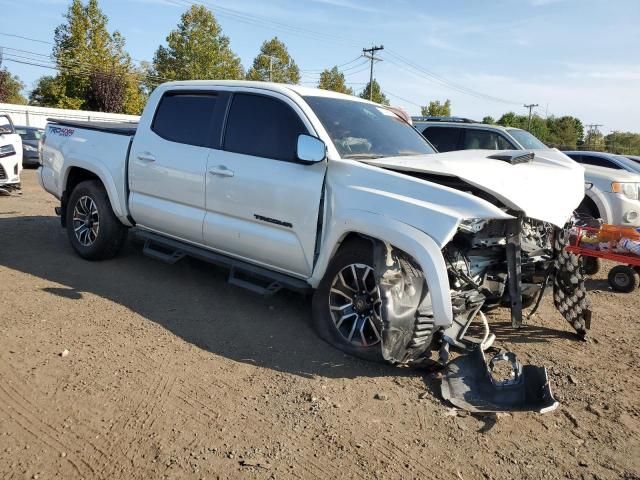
313	190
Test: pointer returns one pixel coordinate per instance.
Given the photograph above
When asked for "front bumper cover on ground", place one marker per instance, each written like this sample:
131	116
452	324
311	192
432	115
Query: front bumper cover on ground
469	383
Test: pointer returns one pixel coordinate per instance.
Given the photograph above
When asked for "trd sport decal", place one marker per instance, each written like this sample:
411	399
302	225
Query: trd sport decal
62	131
273	220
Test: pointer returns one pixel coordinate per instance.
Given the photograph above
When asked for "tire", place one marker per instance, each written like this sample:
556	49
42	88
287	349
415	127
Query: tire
93	229
325	322
591	265
623	279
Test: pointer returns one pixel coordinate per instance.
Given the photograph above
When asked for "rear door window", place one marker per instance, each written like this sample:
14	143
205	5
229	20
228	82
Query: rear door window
485	139
262	126
192	118
445	139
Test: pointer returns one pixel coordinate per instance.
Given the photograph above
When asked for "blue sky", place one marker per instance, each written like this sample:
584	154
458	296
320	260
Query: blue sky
576	57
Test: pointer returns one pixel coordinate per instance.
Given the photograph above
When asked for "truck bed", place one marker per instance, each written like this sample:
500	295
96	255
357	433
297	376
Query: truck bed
118	128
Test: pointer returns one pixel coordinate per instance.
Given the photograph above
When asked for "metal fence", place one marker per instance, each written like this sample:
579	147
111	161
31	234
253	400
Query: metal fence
37	116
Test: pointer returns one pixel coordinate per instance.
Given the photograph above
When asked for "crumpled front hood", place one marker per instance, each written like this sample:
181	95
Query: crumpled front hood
548	188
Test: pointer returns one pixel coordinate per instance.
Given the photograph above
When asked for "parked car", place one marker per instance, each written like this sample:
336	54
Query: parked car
10	155
30	138
606	160
309	189
611	194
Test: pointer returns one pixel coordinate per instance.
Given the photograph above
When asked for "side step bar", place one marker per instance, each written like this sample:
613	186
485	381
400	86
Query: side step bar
242	274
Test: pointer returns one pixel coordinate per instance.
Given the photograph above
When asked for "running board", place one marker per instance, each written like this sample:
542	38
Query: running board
242	274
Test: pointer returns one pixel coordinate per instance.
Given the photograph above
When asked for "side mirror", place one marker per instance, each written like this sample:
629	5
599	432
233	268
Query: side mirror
310	149
4	130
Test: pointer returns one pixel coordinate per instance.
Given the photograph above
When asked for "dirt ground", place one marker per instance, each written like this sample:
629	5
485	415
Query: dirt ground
172	373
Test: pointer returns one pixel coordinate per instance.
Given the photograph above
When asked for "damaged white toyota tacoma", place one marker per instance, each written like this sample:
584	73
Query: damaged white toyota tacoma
312	190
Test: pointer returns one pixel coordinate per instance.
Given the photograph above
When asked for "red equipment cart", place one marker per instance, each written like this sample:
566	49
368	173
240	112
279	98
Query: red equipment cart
584	241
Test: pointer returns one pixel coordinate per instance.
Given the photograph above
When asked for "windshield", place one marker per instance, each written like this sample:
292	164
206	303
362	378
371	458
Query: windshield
527	140
363	130
629	164
29	133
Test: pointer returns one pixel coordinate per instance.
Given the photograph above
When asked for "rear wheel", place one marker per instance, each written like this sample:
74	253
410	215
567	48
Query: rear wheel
93	229
623	278
346	305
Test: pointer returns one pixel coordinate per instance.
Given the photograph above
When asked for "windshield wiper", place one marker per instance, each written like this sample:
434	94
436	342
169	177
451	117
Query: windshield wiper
366	156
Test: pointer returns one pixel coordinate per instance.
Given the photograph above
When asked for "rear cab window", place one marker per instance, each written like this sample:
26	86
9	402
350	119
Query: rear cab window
262	126
192	118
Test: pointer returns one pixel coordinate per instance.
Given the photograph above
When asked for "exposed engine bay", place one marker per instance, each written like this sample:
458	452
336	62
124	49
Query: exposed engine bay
490	264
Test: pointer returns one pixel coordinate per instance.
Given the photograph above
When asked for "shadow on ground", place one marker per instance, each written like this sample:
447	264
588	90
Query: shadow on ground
191	299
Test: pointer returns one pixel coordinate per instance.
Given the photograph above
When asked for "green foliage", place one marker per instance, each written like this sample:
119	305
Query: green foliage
377	95
84	50
274	58
10	88
334	80
564	132
196	50
489	120
437	109
625	143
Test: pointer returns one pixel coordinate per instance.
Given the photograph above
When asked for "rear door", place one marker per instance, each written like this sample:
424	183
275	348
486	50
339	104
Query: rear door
168	163
263	205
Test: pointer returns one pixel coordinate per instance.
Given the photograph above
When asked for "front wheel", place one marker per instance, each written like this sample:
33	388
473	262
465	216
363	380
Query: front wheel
346	305
93	229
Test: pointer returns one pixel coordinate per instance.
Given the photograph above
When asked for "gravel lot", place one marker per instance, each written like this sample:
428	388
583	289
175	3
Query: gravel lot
172	373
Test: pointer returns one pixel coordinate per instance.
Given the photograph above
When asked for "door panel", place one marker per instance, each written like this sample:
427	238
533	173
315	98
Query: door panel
267	212
168	162
262	206
167	192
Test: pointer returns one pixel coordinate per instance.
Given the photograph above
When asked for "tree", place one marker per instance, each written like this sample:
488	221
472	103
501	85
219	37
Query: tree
106	91
84	48
10	87
50	92
197	50
334	80
274	64
626	143
489	120
563	132
377	96
437	109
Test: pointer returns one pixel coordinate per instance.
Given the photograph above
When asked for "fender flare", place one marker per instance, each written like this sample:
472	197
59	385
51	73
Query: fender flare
107	181
410	240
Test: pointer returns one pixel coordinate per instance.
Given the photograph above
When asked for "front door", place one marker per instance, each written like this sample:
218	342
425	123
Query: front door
168	163
262	205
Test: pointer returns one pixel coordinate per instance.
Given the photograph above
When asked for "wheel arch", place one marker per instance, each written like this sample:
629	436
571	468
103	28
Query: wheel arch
368	226
76	174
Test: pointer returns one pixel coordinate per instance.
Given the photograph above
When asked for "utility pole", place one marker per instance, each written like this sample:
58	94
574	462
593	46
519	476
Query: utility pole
531	106
592	130
370	53
271	59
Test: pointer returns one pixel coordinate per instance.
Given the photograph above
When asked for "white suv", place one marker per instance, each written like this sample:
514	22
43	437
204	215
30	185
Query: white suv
610	193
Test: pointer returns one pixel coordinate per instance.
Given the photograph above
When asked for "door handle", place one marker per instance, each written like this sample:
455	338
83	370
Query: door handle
221	171
146	157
